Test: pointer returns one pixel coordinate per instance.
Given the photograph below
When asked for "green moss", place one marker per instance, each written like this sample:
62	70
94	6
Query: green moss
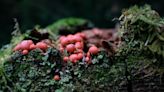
33	72
69	25
142	28
139	56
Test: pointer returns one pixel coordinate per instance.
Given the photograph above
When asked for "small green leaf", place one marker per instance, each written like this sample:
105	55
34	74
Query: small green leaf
100	57
58	90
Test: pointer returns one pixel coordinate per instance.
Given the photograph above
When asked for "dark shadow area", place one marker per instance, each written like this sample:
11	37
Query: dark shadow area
44	12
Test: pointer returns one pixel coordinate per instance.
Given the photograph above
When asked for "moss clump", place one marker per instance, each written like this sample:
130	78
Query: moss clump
69	26
142	28
142	46
32	72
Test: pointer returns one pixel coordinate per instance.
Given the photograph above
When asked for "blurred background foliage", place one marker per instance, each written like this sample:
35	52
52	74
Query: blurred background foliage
44	12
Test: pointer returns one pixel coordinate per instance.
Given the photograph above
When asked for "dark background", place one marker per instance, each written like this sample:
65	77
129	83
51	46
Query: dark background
44	12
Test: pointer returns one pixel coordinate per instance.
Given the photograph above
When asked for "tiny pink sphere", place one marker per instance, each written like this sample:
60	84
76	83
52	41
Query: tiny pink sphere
32	46
80	56
30	42
25	45
70	38
93	50
42	45
73	57
64	41
87	59
77	38
78	45
70	47
25	52
65	59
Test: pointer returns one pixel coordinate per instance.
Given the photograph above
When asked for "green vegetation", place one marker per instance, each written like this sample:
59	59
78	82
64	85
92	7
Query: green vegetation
139	57
69	25
143	27
142	47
